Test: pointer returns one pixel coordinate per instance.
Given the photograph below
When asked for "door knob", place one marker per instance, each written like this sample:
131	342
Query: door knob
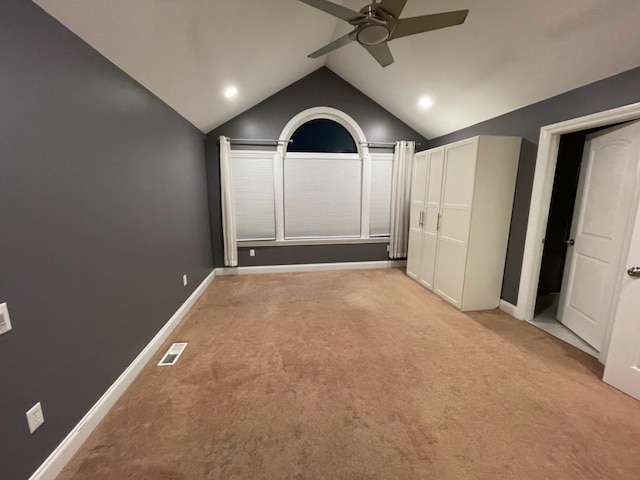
634	272
571	242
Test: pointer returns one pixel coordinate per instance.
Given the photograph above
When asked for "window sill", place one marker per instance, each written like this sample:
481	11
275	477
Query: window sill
309	241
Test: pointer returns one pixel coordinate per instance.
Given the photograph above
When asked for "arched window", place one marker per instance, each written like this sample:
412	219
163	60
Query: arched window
323	185
322	136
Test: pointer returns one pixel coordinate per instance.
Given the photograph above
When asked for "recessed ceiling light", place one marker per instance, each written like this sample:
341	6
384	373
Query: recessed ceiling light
425	102
231	92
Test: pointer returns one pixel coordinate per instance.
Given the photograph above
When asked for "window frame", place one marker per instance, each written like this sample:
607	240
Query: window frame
364	155
278	167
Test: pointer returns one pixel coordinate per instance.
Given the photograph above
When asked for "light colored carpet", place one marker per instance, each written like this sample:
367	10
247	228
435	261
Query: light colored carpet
362	375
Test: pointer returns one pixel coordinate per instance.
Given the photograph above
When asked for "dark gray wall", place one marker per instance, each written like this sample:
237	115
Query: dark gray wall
616	91
299	254
103	207
267	119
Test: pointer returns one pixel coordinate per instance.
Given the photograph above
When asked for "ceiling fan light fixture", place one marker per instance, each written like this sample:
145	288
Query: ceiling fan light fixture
373	34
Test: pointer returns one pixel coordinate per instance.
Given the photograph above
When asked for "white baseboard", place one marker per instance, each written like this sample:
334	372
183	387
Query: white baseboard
310	267
70	445
507	307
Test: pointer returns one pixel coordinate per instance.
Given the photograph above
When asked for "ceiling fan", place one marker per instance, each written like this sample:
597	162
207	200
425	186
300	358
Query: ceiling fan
378	23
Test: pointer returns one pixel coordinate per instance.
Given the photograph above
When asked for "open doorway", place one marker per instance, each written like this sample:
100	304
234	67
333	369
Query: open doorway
563	197
552	268
588	225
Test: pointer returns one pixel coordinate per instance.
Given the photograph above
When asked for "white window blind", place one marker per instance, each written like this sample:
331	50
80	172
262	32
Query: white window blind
322	195
253	185
381	168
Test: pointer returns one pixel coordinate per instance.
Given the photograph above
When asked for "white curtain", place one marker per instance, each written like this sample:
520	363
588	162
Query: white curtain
228	210
401	198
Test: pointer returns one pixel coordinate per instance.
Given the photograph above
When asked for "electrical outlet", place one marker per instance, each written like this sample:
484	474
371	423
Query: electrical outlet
35	417
5	323
184	280
252	252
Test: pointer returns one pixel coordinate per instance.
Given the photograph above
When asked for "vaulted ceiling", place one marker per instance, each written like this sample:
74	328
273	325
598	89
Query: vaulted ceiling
508	53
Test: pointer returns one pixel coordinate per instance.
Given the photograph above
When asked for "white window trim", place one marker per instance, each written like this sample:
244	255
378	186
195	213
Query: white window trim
258	155
373	157
314	155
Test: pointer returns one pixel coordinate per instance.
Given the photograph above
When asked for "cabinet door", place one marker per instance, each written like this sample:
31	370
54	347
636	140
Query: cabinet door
455	217
430	217
418	186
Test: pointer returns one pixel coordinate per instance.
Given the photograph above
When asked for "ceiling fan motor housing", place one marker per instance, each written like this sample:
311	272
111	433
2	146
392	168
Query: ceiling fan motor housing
373	34
376	28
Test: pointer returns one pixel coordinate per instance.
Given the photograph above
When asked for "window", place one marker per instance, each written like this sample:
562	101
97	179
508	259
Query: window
381	168
254	195
323	186
322	195
322	136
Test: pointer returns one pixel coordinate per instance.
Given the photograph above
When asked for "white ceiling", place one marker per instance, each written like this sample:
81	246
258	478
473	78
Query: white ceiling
508	54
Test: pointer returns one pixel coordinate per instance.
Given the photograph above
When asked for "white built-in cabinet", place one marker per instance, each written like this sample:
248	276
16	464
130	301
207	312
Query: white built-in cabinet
461	202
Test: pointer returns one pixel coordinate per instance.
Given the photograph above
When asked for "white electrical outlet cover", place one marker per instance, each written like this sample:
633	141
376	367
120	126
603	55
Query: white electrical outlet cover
5	322
35	417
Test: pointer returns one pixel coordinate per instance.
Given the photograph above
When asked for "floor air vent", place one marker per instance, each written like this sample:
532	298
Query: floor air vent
172	355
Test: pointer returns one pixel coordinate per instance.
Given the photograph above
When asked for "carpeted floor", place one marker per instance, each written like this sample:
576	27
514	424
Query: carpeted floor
362	375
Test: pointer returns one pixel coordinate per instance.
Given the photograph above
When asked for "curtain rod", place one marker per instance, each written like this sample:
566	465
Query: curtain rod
382	144
258	141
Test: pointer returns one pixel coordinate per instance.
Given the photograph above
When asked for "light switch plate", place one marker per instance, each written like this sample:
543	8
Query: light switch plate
5	322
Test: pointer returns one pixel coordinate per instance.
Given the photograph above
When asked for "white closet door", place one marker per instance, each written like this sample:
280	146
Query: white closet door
430	217
418	187
455	211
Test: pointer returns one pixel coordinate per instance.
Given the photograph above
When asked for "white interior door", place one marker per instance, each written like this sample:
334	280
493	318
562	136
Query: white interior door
604	206
622	368
418	187
430	217
455	217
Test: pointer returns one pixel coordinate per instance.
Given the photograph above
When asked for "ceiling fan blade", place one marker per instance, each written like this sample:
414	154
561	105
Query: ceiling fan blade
381	53
331	8
394	7
426	23
340	42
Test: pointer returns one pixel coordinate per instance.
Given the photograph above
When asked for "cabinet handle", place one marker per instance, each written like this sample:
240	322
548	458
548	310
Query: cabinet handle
438	225
420	223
